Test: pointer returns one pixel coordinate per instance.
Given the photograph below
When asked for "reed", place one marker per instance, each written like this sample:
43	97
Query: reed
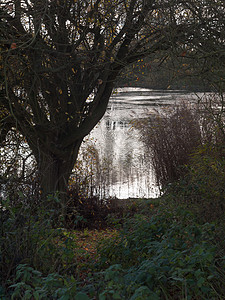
169	139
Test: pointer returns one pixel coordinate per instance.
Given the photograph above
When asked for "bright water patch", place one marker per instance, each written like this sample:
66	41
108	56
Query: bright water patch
130	174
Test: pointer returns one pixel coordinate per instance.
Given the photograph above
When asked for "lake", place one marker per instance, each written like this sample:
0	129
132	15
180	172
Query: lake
129	174
123	170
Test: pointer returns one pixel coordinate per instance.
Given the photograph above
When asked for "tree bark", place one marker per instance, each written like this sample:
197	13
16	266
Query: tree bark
54	172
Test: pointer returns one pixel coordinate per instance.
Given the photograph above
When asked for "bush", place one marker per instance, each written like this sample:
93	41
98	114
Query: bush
161	258
207	175
31	284
170	139
203	187
91	212
27	237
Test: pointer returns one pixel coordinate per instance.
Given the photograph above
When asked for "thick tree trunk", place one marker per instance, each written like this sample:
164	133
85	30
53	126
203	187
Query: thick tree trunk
54	172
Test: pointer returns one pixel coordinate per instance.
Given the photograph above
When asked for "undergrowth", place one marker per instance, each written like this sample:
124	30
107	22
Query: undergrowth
166	248
159	253
164	257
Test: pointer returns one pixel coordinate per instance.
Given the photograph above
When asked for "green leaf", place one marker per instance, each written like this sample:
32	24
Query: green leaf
200	281
178	279
144	292
102	296
65	297
27	294
36	295
81	296
210	277
116	296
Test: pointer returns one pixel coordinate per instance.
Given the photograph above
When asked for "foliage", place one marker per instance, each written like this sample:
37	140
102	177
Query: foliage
28	237
18	171
157	258
87	259
171	73
160	253
88	204
59	61
202	189
213	120
203	182
90	212
85	175
31	284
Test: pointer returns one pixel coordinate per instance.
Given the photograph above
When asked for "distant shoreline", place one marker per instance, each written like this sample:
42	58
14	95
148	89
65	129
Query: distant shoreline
171	89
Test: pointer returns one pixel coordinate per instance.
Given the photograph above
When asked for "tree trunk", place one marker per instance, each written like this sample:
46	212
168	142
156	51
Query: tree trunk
54	172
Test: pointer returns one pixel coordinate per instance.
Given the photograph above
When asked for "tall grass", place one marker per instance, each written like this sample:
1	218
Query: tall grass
169	139
186	146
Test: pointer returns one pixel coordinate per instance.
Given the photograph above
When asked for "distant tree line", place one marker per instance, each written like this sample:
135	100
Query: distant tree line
166	74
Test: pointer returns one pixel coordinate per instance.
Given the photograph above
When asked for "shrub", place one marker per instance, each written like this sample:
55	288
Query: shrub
27	237
89	204
169	140
203	187
90	212
207	176
164	257
31	284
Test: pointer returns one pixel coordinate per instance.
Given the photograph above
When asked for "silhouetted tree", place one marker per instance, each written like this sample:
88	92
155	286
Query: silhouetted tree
60	59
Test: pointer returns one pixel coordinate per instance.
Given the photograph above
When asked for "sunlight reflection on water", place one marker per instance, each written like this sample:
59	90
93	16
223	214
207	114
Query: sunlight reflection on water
130	174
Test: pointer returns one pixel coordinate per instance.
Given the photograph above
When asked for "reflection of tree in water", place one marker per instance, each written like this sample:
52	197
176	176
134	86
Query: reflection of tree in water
108	161
122	156
126	162
124	169
112	125
118	152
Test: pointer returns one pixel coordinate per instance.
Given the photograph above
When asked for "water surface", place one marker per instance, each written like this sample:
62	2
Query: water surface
130	174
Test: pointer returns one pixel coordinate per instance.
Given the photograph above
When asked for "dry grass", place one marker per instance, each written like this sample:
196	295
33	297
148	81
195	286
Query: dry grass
170	139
